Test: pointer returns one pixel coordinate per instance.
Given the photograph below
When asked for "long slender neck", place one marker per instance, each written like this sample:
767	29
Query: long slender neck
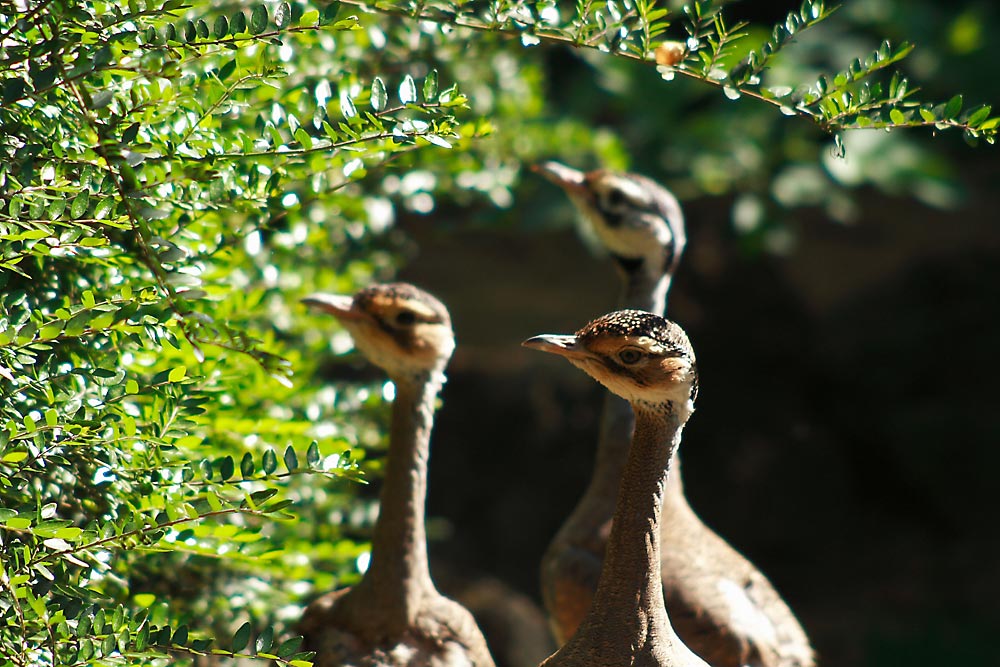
398	576
643	290
628	608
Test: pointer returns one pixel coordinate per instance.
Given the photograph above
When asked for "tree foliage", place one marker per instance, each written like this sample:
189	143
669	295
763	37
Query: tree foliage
173	179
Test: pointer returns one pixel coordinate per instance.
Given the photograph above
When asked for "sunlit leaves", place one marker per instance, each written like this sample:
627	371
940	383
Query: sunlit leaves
258	19
282	15
145	392
408	90
379	96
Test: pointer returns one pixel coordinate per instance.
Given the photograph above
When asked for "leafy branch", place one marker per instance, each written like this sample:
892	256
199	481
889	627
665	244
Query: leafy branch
625	28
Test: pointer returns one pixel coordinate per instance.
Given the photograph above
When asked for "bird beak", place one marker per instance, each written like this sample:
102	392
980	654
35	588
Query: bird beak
569	179
564	346
340	306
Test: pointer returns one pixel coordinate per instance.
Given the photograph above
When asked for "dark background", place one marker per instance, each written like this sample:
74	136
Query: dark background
846	431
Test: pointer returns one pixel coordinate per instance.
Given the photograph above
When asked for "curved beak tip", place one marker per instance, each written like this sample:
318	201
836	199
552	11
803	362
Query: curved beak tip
560	174
562	345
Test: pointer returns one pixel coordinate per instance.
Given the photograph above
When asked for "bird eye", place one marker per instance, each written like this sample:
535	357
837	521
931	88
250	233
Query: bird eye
630	356
405	318
615	198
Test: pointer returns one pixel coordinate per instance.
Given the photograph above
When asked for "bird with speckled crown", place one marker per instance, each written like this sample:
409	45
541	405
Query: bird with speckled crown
649	362
395	617
721	605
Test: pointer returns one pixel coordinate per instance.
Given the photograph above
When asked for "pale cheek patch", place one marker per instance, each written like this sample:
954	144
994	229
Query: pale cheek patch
432	342
678	369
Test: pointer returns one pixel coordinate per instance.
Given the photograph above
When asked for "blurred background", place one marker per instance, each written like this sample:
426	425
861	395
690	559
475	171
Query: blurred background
844	312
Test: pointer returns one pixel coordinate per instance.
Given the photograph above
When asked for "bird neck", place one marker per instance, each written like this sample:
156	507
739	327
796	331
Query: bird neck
628	608
398	576
613	444
643	290
646	289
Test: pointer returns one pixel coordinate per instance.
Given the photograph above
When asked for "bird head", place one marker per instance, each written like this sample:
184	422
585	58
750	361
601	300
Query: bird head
636	219
398	327
639	356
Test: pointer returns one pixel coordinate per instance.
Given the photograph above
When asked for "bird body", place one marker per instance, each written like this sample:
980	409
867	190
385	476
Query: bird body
649	362
395	617
720	604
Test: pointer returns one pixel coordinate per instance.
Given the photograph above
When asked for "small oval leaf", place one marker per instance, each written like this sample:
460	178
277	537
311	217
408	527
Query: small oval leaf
283	15
408	90
379	96
258	19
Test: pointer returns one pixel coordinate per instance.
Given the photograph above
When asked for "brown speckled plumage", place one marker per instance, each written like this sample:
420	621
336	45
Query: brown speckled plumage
627	623
395	617
720	603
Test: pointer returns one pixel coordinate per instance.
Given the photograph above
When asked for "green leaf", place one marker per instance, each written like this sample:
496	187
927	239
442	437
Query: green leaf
213	500
330	13
238	24
264	640
291	460
289	647
221	26
897	117
142	637
241	638
80	204
258	19
282	15
247	466
303	138
269	462
952	108
379	96
56	209
312	454
130	133
347	107
226	468
177	374
103	207
979	115
408	90
431	86
50	331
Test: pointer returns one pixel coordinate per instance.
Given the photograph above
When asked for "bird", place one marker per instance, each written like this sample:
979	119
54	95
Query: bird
636	219
722	606
648	361
394	616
